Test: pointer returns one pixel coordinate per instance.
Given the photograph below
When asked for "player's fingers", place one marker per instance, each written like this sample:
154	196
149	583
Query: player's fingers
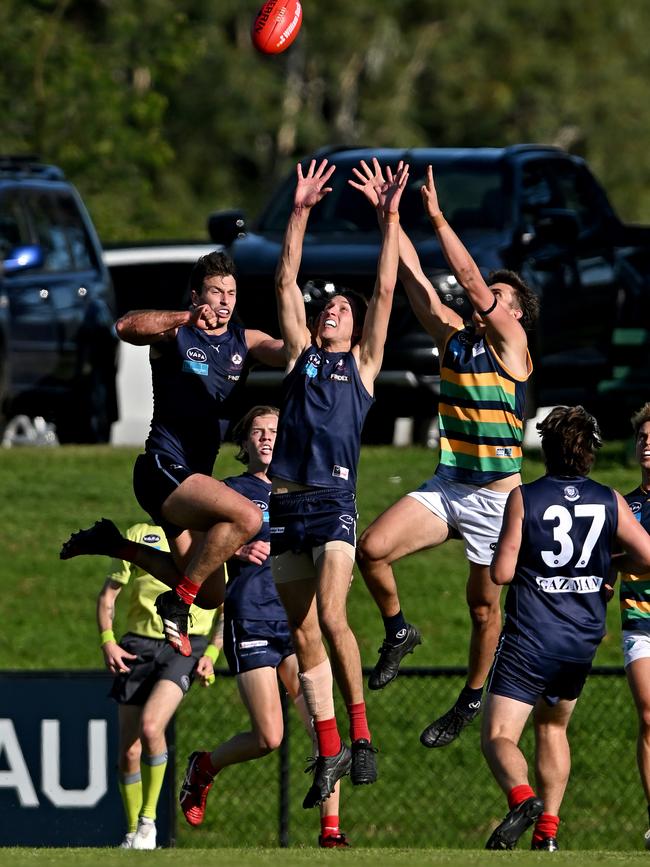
367	169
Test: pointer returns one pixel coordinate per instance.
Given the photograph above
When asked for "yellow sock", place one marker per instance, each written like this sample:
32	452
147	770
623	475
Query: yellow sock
131	792
153	773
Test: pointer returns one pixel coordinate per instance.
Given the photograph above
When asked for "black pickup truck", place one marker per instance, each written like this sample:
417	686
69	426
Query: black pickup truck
537	210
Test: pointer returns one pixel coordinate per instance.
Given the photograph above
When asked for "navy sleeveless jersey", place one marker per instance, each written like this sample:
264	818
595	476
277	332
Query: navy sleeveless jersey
250	591
556	603
319	433
192	378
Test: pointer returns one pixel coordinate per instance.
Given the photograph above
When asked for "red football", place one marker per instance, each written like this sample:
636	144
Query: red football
276	25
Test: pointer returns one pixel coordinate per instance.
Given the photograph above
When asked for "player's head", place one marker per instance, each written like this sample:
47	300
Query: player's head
212	281
347	307
515	294
641	427
255	435
570	440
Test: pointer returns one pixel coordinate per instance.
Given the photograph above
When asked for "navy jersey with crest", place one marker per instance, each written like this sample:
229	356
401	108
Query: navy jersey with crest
192	377
319	433
250	591
556	603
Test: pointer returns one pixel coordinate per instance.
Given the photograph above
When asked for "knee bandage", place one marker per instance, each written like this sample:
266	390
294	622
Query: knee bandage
317	687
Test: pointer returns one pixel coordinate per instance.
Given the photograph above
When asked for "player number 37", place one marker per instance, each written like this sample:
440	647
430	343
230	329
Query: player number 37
562	530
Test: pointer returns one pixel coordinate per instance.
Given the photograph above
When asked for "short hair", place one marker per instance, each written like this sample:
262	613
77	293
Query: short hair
527	300
215	264
640	417
242	429
570	440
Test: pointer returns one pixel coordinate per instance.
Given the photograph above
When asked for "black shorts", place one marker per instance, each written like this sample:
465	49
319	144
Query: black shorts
251	644
155	477
526	676
304	520
156	661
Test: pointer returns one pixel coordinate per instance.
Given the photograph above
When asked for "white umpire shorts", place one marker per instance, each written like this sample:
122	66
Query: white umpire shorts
475	513
636	645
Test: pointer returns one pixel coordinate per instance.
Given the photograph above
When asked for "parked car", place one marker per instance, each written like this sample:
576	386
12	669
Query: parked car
57	341
535	209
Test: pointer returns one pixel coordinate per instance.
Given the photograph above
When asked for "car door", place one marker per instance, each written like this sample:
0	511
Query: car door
69	274
31	329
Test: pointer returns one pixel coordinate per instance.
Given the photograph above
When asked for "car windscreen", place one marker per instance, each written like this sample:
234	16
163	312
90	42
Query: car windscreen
471	195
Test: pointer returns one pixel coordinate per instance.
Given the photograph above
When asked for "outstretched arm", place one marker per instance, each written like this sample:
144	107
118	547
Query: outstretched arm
142	327
504	562
503	327
436	318
269	350
375	327
310	189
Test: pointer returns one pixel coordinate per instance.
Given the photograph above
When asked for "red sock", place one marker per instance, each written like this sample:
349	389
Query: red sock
329	825
329	740
187	590
546	826
358	722
518	794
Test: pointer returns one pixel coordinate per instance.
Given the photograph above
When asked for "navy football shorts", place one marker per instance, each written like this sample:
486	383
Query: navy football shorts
251	644
156	661
304	520
155	477
526	676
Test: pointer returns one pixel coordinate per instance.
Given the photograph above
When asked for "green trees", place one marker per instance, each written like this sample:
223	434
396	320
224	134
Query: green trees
162	111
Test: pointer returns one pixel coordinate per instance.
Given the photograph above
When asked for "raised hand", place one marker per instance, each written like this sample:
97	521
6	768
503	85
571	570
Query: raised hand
310	188
429	195
390	193
370	180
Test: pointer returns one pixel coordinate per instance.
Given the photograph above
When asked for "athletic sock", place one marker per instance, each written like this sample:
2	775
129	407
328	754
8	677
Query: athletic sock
395	627
329	826
469	701
128	551
518	794
329	739
546	826
153	773
358	722
131	791
186	590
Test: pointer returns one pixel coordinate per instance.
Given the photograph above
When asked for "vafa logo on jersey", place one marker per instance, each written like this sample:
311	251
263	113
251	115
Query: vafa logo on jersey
195	361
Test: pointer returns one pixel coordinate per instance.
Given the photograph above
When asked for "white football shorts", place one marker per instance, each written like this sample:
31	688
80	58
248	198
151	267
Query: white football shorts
636	645
474	513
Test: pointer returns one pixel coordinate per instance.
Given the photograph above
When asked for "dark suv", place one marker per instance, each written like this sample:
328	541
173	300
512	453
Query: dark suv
57	343
535	209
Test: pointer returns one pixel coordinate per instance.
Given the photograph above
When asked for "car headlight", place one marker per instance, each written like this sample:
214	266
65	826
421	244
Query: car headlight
448	288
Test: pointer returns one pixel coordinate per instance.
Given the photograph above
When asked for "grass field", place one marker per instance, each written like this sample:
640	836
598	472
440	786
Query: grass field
299	857
438	798
47	493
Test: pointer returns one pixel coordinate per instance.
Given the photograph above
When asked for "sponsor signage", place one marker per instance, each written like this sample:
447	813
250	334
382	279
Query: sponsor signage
58	762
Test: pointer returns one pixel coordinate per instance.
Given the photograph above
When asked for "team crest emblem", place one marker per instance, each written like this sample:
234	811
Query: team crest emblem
237	359
571	493
635	507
